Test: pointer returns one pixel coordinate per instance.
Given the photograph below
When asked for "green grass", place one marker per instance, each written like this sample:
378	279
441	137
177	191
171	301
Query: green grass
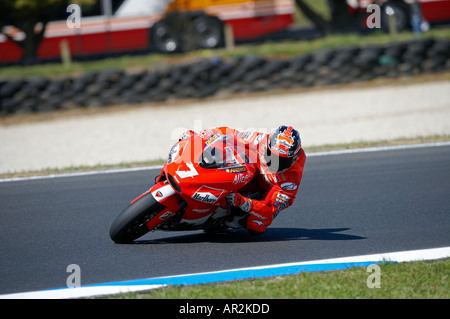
284	49
425	280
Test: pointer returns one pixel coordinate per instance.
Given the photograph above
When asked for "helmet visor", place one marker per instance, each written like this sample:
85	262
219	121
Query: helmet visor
276	163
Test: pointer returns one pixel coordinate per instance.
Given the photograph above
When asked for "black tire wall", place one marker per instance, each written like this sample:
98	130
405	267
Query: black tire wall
209	77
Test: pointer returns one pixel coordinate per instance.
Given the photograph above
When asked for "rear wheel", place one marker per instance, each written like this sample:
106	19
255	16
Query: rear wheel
208	32
132	222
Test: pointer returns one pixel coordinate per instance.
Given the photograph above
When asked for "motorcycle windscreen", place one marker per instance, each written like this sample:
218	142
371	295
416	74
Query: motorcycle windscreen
224	152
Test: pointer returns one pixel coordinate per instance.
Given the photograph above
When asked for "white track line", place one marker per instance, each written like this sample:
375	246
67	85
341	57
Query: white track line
251	272
136	169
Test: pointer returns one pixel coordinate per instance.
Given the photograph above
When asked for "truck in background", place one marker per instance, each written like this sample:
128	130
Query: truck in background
164	25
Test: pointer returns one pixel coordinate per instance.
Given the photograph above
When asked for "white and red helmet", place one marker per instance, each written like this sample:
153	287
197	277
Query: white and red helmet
283	148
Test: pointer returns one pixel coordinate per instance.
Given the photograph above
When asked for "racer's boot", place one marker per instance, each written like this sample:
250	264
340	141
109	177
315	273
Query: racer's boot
216	225
237	219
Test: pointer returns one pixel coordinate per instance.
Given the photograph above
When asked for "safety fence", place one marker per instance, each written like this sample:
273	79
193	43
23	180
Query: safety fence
210	77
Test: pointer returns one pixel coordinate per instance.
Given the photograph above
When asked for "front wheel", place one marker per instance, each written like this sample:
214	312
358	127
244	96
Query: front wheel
132	222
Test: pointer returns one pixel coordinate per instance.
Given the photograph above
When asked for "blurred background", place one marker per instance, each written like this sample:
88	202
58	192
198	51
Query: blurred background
94	85
68	59
57	54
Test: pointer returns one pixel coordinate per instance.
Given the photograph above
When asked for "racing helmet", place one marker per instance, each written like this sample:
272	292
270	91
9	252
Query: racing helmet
283	148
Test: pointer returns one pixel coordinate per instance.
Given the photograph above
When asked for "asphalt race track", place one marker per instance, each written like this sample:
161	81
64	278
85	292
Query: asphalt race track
348	204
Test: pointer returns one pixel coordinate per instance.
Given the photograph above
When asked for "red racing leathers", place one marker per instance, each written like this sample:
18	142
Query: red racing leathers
278	189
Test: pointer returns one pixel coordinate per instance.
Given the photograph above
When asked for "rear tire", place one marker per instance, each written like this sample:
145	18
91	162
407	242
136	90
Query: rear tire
132	222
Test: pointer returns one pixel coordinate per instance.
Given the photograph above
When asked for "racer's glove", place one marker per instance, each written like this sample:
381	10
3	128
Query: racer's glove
237	200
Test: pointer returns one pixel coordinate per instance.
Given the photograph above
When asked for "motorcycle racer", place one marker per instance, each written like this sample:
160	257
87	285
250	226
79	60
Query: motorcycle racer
280	162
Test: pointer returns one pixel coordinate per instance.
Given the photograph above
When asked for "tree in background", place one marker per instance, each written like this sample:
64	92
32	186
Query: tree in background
32	17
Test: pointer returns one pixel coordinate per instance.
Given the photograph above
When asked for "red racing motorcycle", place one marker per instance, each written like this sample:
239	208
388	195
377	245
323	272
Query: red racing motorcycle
190	192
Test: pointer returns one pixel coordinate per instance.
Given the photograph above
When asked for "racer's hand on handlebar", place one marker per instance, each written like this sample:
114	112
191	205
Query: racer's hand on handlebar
237	200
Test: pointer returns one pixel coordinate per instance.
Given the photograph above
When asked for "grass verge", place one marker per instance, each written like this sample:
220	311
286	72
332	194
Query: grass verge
423	279
269	49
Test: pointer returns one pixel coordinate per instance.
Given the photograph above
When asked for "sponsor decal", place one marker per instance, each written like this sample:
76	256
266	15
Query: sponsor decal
289	186
281	201
257	215
259	223
198	210
240	169
240	179
205	197
212	139
207	194
282	198
160	193
205	133
165	215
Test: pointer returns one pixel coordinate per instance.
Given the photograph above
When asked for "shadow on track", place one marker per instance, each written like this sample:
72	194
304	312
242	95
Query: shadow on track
271	235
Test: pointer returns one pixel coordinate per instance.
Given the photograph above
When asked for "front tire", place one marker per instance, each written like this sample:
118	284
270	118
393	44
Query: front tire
132	222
